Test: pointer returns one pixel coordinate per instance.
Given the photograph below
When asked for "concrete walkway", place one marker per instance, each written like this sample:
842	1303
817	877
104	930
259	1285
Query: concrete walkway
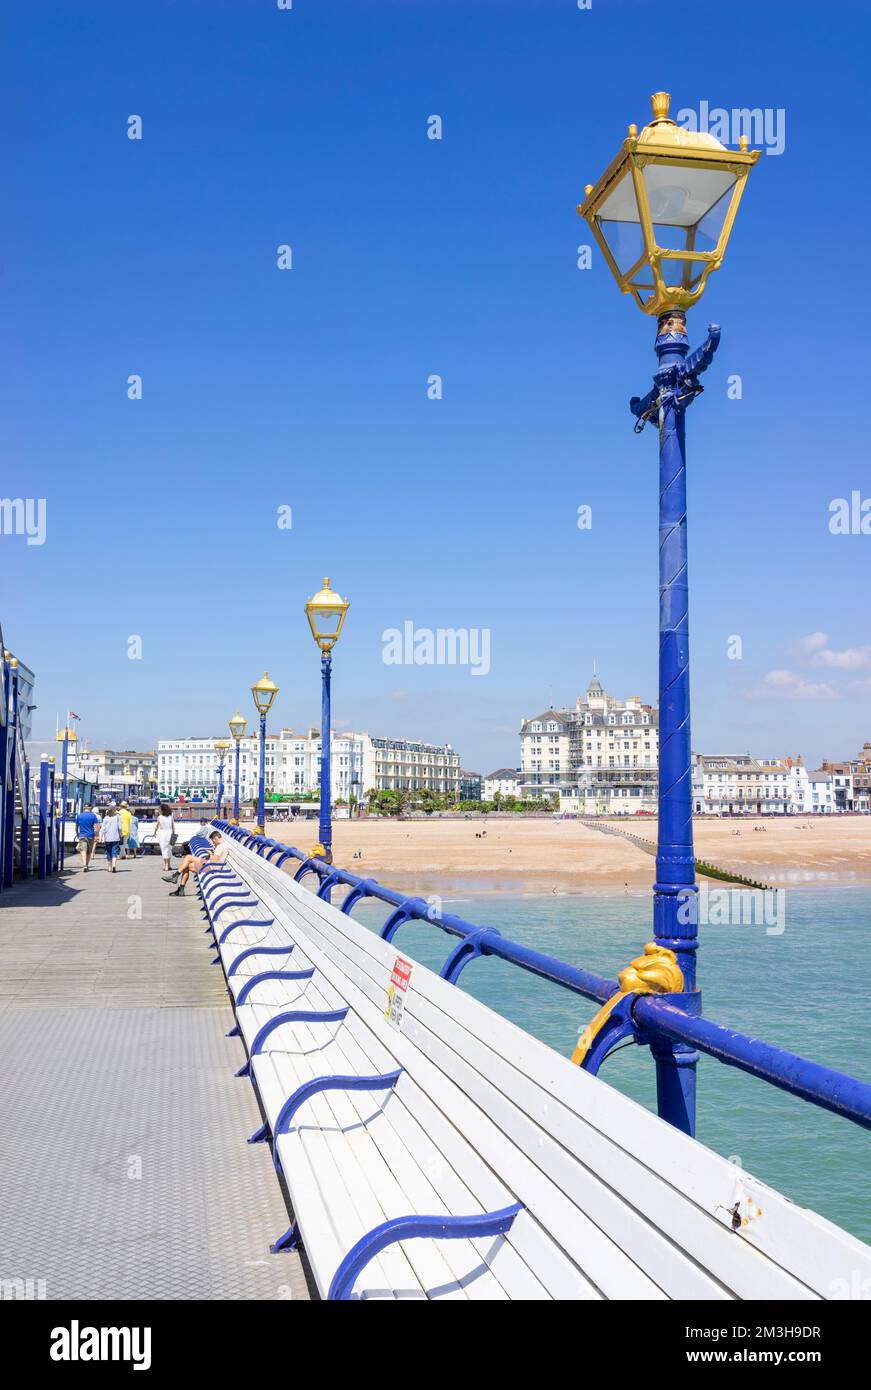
124	1171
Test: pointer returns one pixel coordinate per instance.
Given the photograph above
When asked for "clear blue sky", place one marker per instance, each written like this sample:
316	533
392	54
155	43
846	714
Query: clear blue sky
307	388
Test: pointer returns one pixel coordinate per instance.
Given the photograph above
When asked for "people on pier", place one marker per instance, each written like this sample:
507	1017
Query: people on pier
165	832
125	815
86	830
110	836
193	863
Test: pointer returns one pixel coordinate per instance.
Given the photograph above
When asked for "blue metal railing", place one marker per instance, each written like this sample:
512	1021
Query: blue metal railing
651	1018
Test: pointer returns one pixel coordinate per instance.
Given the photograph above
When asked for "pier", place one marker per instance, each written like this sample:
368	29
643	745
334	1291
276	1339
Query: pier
125	1172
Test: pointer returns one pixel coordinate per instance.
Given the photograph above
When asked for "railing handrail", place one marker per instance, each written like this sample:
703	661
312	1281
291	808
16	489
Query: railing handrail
811	1081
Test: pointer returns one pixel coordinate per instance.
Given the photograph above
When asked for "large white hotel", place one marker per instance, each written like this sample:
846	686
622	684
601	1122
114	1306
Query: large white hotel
600	758
358	764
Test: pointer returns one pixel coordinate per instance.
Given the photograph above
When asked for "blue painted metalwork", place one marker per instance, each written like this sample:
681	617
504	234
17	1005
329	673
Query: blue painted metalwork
6	667
261	791
258	951
668	1024
219	799
42	849
386	1082
326	823
63	808
52	820
253	980
25	824
238	742
674	912
289	1241
488	1223
289	1016
245	922
7	823
234	902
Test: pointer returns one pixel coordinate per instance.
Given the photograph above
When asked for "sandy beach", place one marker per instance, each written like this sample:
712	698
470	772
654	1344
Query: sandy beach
538	856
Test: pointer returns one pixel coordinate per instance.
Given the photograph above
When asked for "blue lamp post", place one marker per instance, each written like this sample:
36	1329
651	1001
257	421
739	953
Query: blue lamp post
237	729
662	214
264	693
10	756
221	748
66	737
326	617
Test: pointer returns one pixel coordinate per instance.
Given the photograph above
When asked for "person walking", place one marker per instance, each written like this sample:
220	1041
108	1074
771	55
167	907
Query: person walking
133	835
126	816
110	836
86	826
165	832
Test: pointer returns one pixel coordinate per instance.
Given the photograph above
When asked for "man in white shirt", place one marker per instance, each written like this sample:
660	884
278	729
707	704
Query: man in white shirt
192	863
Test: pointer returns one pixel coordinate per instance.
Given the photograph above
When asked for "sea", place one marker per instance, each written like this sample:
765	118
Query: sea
803	983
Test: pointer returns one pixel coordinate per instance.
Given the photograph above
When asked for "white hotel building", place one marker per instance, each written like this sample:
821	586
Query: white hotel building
600	758
358	765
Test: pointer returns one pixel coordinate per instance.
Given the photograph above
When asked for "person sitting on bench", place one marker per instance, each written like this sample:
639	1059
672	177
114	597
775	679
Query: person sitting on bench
195	863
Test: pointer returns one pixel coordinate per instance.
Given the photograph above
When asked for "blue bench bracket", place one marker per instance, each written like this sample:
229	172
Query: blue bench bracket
289	1016
245	922
234	902
327	1083
488	1223
258	951
289	1241
253	980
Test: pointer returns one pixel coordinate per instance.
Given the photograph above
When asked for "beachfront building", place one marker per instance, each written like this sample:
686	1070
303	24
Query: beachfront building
503	782
545	755
736	784
600	758
861	766
470	785
821	800
358	764
116	773
843	792
409	765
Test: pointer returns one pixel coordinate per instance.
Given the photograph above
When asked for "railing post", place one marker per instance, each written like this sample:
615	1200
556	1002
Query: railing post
52	817
261	796
63	810
326	823
42	849
674	901
9	791
4	760
25	824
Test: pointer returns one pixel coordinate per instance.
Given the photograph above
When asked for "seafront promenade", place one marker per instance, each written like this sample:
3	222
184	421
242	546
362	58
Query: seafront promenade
124	1167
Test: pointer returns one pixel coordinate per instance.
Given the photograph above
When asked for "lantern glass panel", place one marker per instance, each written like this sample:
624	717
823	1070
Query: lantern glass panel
327	620
680	195
620	225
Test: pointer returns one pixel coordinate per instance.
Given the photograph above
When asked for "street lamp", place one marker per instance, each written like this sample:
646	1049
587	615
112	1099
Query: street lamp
66	737
221	749
237	729
326	618
264	693
662	214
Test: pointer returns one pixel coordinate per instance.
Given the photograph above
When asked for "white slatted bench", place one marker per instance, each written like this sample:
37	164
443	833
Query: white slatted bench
577	1191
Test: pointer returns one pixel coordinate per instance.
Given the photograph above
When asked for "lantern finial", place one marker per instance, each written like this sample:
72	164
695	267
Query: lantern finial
661	101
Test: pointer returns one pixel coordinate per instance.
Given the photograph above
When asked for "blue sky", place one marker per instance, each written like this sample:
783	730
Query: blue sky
306	388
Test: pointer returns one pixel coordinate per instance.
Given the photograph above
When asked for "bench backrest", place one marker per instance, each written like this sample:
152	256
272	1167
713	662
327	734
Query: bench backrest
598	1171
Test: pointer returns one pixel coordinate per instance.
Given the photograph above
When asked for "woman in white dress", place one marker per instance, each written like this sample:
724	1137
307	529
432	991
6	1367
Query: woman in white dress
165	831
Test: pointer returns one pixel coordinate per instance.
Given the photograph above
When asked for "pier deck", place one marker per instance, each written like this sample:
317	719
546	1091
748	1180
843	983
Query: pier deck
124	1171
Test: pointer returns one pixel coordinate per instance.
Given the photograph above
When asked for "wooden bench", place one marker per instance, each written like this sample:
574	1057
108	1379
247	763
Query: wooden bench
445	1153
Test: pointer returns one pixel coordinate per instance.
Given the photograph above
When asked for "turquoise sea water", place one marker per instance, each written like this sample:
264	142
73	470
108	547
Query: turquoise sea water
806	989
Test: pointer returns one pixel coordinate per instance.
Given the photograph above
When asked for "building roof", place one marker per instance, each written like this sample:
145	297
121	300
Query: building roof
503	774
